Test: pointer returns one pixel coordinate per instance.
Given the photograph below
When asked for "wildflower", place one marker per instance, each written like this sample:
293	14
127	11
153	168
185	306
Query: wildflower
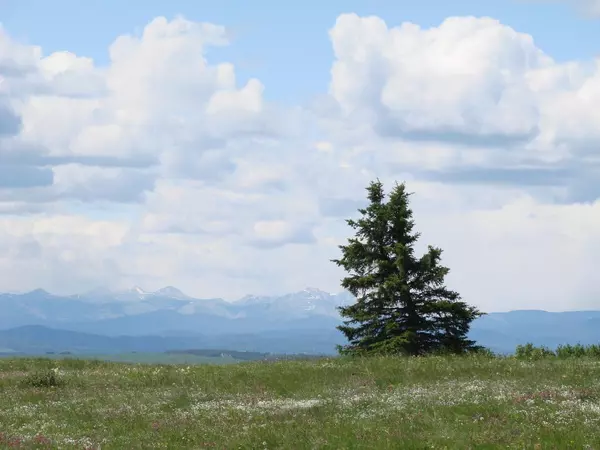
41	439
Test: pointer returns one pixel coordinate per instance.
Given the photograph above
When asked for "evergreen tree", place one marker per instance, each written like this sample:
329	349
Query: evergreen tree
402	305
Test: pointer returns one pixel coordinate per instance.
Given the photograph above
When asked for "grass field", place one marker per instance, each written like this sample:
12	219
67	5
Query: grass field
401	403
144	358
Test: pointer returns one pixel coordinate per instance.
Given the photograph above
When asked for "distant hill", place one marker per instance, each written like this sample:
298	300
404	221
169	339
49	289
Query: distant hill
300	322
39	340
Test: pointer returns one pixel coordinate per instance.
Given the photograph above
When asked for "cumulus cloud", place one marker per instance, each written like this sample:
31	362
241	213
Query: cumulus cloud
462	80
470	92
58	251
468	82
162	169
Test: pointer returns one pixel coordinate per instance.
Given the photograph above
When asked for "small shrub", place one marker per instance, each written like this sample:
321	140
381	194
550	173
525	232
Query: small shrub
578	351
571	351
593	351
46	379
529	351
473	351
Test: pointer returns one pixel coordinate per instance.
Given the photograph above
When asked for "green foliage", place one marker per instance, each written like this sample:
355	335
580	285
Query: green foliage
435	402
403	306
578	351
529	351
48	378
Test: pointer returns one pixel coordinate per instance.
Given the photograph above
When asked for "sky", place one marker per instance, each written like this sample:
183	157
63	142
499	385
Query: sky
220	146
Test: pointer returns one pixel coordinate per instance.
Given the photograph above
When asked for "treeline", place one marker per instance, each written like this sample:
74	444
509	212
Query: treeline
529	351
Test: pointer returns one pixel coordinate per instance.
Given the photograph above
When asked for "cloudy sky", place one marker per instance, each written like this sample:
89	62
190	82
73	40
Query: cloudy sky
219	147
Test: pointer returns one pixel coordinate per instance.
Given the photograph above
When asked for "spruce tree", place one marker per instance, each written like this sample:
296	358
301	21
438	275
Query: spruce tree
402	305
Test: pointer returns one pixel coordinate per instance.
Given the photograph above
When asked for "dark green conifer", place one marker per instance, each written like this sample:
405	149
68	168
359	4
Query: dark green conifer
402	305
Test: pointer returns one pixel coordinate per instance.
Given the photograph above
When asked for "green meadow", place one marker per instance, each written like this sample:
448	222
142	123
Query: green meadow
532	400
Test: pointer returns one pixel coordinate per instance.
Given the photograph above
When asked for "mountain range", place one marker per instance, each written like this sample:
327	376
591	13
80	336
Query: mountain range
169	311
104	321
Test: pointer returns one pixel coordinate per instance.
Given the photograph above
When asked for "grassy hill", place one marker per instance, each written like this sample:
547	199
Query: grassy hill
379	403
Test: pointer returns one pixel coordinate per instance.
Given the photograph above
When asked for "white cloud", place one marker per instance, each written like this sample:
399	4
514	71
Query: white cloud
161	169
465	76
58	251
470	82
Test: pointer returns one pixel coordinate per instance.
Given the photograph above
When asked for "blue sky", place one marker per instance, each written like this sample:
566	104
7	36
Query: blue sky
235	176
284	44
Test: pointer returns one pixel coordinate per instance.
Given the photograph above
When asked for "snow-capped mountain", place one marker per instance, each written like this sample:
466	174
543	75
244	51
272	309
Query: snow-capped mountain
309	301
301	321
137	311
136	293
139	291
172	292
